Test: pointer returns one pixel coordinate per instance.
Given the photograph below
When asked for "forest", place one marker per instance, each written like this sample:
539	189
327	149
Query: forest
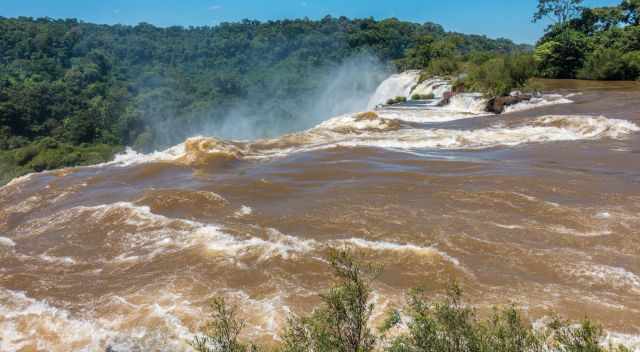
75	93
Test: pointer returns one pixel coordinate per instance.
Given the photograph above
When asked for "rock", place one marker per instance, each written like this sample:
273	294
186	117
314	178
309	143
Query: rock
496	105
446	98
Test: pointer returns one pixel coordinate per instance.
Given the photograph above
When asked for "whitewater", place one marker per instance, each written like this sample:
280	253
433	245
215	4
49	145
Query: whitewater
537	207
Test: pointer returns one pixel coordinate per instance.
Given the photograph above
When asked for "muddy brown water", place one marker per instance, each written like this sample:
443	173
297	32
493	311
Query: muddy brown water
128	255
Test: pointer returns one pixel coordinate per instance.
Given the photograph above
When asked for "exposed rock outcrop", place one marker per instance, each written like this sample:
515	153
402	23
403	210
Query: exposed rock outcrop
498	104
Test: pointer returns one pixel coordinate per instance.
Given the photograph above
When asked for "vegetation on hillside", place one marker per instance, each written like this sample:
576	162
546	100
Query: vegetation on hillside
438	324
89	85
589	43
148	87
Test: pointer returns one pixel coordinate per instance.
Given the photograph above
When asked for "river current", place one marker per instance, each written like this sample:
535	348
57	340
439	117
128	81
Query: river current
538	207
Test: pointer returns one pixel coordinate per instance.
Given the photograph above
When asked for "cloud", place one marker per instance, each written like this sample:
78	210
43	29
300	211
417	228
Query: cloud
215	7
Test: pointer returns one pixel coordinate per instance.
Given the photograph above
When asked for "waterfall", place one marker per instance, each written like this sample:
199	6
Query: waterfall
468	102
397	85
436	86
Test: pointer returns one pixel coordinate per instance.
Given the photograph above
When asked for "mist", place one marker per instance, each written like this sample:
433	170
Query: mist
335	90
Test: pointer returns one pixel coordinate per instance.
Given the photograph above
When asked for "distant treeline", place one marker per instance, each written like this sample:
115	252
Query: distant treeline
590	43
74	93
77	84
586	43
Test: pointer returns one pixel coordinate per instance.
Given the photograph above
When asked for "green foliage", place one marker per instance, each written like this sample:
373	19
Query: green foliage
437	326
48	154
632	62
590	42
583	338
448	66
631	9
606	64
340	323
222	331
150	87
396	100
501	75
422	97
448	325
441	55
561	56
442	324
561	11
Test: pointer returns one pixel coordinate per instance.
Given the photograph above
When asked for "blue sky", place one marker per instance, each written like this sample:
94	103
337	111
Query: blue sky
494	18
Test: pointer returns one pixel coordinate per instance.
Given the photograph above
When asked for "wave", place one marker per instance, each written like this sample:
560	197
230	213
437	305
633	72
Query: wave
473	103
597	274
538	102
23	319
243	211
30	324
383	130
396	247
138	235
7	242
542	129
358	123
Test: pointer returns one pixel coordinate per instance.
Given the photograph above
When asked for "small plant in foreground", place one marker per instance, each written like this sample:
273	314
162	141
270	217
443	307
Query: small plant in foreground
341	323
222	331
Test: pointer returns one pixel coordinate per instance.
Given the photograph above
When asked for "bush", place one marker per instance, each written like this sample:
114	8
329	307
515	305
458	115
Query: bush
341	323
632	61
222	331
501	75
447	66
605	64
48	154
396	100
422	96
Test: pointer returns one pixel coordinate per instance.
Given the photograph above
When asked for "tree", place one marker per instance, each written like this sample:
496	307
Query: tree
632	11
562	55
560	11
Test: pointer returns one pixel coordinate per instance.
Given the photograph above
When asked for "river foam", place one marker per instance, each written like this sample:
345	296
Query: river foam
383	131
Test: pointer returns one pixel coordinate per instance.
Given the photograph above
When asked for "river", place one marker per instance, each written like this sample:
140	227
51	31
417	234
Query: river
539	207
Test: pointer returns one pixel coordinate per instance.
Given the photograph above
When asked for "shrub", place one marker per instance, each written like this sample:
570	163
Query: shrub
446	324
396	100
632	61
48	154
222	330
501	75
447	66
605	64
422	96
341	321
